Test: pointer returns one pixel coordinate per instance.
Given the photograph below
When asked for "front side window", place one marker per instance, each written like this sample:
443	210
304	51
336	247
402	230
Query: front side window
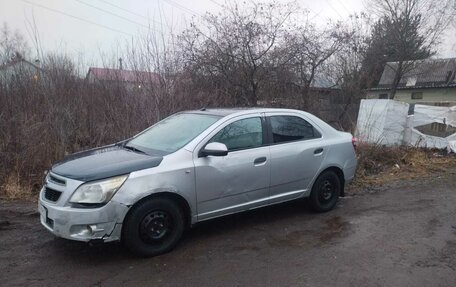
242	134
291	128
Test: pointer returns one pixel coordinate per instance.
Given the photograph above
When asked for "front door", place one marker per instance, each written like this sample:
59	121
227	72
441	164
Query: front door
239	180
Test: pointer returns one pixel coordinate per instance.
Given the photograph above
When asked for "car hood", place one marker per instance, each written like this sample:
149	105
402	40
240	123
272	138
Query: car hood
104	162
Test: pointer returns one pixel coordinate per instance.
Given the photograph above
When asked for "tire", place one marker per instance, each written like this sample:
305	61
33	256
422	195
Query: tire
325	192
153	227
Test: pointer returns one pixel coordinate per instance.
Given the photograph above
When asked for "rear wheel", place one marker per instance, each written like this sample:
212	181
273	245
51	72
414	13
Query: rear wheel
153	227
325	192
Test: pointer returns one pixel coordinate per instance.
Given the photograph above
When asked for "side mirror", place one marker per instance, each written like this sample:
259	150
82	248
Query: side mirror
214	149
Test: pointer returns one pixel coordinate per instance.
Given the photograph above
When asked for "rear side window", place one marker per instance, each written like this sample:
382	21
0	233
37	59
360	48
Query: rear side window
243	134
291	128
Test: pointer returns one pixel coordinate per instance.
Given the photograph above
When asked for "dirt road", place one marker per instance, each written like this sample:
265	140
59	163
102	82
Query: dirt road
404	235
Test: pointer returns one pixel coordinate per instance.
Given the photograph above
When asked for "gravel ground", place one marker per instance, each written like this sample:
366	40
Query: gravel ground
400	235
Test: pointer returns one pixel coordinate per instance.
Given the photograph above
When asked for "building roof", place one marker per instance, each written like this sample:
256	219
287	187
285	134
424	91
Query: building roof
106	74
323	82
429	73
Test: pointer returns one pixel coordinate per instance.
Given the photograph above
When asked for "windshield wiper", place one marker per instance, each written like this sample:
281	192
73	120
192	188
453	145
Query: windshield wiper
132	148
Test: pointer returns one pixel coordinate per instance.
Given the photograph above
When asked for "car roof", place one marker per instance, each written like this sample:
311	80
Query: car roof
223	112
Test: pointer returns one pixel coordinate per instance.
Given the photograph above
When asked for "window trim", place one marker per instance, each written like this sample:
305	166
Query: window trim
269	128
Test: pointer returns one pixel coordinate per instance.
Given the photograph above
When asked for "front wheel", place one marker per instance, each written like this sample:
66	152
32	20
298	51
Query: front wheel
325	192
153	227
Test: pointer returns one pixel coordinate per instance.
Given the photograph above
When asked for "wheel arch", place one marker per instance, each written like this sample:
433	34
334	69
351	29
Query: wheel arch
179	199
340	175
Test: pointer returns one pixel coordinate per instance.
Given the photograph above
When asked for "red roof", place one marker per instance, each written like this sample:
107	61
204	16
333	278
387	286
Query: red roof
105	74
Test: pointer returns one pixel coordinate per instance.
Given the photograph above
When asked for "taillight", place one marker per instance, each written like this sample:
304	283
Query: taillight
354	142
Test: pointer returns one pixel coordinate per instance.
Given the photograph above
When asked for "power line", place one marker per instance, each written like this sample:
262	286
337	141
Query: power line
316	15
183	8
128	11
218	4
76	17
343	6
113	14
310	11
331	6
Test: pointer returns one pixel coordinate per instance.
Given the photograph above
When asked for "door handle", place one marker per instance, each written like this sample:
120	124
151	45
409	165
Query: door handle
318	151
259	160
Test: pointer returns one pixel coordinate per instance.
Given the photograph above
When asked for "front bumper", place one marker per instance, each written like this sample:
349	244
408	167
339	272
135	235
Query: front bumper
83	224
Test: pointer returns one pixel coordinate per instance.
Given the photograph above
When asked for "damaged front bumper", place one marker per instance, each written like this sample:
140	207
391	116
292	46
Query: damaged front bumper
83	224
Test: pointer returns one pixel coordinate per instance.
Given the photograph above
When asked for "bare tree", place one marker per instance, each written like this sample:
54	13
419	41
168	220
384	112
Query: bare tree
156	63
345	69
309	49
235	46
12	45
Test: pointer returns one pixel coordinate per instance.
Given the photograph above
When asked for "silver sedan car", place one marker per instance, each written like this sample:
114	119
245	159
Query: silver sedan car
191	167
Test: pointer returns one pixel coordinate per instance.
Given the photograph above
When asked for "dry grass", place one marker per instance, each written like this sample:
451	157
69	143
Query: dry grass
378	165
12	189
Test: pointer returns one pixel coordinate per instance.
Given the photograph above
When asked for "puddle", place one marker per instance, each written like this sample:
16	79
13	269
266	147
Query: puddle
5	225
246	248
335	227
330	229
297	238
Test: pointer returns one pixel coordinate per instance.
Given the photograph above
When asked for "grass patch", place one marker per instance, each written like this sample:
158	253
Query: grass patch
12	188
378	165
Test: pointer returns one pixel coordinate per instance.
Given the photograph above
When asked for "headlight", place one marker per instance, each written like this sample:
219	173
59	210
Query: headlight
46	177
97	192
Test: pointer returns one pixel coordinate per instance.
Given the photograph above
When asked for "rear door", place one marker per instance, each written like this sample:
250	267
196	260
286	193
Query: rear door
297	151
239	180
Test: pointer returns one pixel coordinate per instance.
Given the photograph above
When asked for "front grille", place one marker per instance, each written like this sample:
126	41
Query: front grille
56	180
51	194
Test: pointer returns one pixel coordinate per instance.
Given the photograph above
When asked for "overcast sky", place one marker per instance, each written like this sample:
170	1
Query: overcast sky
87	28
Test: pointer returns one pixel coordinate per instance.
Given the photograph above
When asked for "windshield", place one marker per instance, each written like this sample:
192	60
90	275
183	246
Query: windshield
172	133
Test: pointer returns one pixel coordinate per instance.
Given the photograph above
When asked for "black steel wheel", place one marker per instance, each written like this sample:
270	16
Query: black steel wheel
325	191
156	226
153	227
